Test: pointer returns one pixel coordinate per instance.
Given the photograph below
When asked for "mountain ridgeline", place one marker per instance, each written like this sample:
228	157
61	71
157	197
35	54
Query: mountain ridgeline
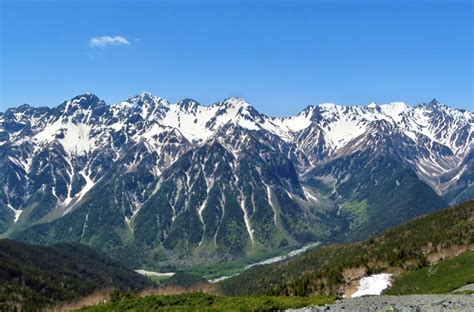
174	183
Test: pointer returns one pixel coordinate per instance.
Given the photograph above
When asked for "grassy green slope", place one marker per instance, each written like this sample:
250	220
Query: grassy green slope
321	271
35	276
443	277
203	302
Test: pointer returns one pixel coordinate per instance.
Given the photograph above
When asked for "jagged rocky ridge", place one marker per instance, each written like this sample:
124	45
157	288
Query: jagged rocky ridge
194	181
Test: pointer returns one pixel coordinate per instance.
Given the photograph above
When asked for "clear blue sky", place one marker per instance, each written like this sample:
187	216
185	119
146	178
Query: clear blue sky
279	55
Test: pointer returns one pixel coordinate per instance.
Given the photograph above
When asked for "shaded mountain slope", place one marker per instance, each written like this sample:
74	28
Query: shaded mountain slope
35	276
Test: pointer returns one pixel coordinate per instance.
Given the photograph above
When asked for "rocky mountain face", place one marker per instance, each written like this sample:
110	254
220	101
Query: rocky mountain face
162	181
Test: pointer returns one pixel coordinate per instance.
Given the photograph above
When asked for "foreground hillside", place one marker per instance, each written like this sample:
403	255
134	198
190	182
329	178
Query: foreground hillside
333	269
442	277
204	302
34	276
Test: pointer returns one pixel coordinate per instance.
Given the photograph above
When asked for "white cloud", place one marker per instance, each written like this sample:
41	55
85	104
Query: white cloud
104	41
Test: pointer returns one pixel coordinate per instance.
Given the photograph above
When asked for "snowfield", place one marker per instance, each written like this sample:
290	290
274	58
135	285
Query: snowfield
151	273
373	285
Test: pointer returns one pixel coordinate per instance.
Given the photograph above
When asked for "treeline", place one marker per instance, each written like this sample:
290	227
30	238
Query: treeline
322	271
32	277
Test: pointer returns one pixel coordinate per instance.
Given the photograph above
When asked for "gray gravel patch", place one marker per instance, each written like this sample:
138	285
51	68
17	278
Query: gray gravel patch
409	303
469	287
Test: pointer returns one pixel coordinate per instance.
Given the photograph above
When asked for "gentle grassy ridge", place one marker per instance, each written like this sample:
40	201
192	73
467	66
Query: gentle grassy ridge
443	277
203	302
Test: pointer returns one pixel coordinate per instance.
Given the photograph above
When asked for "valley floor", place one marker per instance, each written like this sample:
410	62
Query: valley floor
407	303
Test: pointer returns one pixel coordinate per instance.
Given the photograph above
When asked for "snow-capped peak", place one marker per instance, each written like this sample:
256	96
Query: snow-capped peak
188	105
235	102
146	98
84	101
198	123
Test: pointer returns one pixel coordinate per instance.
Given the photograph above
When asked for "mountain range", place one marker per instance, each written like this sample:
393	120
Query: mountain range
160	183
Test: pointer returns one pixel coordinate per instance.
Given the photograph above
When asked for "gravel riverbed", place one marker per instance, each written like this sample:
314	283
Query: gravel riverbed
407	303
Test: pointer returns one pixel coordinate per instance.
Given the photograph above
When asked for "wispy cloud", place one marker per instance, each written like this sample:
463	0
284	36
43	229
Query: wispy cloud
103	41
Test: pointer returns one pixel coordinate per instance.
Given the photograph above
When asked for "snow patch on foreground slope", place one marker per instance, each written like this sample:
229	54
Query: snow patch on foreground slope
373	285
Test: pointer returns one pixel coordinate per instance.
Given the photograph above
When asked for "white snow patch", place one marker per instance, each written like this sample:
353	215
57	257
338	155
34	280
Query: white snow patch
154	130
269	197
17	213
222	278
192	126
309	195
247	220
89	184
117	126
295	123
151	273
201	209
395	110
76	136
373	285
343	130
